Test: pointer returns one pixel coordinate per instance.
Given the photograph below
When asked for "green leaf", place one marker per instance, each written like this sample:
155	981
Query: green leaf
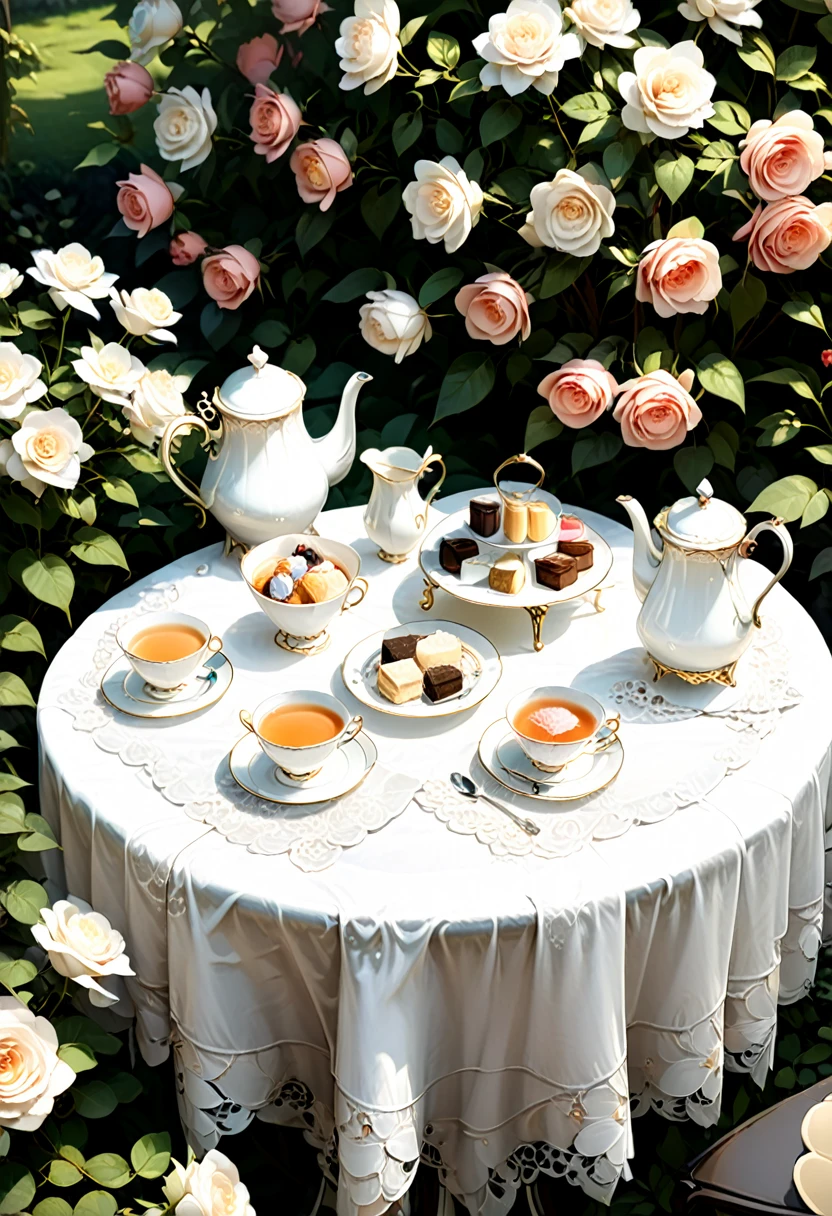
299	355
692	464
822	453
594	450
47	578
17	1188
95	1100
15	972
379	210
618	158
125	1086
719	376
587	107
757	53
35	318
795	62
355	284
824	27
119	490
412	28
468	380
816	1054
724	454
53	1206
39	835
96	1203
109	47
78	1029
143	461
312	227
730	118
787	498
449	138
747	301
13	691
150	1156
691	227
498	121
63	1173
98	548
12	815
787	375
785	1079
822	564
23	900
541	426
270	334
21	511
439	284
78	1056
807	313
443	49
7	741
99	155
465	88
109	1170
19	634
674	175
816	509
561	272
406	130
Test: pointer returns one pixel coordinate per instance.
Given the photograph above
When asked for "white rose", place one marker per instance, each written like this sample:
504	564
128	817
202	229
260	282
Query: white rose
73	276
112	372
152	25
145	313
185	125
394	323
669	92
525	46
19	383
443	204
10	280
719	12
369	45
83	946
46	450
572	213
156	400
605	22
210	1187
31	1075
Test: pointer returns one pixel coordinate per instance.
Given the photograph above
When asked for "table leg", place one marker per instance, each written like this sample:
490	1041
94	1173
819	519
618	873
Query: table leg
426	602
538	615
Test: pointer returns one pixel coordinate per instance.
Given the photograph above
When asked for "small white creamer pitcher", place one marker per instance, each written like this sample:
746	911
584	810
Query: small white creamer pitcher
396	515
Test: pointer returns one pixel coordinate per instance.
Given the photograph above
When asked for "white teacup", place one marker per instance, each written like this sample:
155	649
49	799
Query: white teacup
301	763
167	676
552	756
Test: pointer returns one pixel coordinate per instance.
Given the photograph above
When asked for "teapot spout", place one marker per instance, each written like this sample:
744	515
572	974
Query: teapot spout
336	450
646	556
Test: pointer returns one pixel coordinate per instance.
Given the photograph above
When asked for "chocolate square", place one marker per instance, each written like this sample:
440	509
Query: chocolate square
556	571
581	550
404	647
442	682
484	516
454	550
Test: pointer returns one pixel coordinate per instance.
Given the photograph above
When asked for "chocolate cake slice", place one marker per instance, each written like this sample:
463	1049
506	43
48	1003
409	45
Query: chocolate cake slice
404	647
556	571
581	550
442	682
454	550
484	516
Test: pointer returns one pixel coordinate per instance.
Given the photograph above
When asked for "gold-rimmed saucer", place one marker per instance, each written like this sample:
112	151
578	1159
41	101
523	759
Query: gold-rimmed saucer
343	772
504	759
126	691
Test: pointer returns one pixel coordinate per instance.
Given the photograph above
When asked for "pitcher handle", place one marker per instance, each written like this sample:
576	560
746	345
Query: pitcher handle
748	546
173	428
422	517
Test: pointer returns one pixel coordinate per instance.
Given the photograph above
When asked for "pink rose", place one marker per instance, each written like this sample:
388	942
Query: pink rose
186	247
275	119
298	15
826	358
788	235
322	169
656	411
256	60
230	276
579	392
783	157
495	308
679	274
129	86
145	201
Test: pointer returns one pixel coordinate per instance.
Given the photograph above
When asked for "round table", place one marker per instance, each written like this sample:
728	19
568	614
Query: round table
417	990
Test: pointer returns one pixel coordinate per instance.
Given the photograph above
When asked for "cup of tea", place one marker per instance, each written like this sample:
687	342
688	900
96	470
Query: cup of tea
555	725
299	731
165	648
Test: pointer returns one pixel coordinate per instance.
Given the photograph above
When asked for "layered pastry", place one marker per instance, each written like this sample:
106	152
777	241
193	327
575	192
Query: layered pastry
581	550
323	582
412	664
439	649
571	528
515	521
484	516
474	570
286	579
454	550
403	647
508	575
542	520
400	681
556	571
441	682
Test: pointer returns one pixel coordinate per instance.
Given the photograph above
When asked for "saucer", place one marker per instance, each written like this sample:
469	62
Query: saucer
343	772
127	692
481	671
499	752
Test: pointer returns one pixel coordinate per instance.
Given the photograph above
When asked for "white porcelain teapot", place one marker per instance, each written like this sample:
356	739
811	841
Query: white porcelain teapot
396	515
267	476
695	621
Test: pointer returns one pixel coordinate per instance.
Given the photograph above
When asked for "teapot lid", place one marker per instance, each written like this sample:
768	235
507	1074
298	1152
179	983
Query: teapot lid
702	521
260	390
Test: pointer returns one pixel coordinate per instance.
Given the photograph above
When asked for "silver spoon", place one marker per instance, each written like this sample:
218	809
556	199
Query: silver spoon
465	786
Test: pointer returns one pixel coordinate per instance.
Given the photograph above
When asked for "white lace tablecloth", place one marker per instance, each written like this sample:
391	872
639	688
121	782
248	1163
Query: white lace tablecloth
406	993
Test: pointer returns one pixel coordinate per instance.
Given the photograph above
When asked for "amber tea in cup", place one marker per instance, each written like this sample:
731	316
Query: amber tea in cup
554	725
298	725
299	731
166	643
540	720
166	648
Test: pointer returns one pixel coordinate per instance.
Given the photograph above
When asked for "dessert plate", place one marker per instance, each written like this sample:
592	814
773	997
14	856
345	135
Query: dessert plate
127	692
504	759
481	671
499	540
343	772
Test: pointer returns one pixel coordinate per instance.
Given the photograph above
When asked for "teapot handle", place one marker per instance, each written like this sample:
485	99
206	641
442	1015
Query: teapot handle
748	546
171	431
422	518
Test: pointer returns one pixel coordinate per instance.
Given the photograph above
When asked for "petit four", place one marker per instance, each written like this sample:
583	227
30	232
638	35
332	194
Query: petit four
515	521
403	647
438	650
322	582
556	571
400	681
474	570
571	528
508	575
484	516
454	550
443	681
542	520
581	550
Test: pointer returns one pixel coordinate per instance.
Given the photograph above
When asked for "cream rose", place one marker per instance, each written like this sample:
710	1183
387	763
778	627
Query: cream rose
112	372
152	25
19	380
679	274
605	22
145	312
83	946
495	308
525	46
443	204
210	1187
572	213
369	45
394	323
46	450
579	392
656	411
788	235
782	158
669	92
185	125
719	13
156	400
10	280
31	1075
74	277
